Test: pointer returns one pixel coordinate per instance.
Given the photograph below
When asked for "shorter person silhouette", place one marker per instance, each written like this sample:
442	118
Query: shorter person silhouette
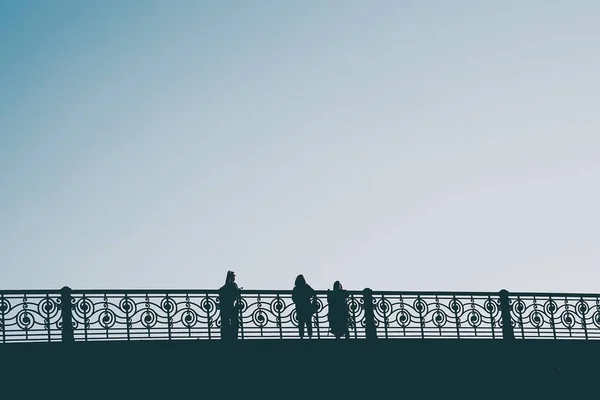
228	296
304	297
338	311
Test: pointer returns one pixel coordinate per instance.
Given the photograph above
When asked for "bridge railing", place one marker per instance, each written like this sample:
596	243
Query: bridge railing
89	315
437	315
555	315
194	314
30	316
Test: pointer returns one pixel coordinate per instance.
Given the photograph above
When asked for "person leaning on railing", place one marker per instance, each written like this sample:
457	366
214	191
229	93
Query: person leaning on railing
305	299
228	296
338	315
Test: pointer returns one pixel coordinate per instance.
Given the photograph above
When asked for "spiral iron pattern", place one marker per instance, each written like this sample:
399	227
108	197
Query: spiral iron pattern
195	316
134	315
556	316
30	317
426	316
145	316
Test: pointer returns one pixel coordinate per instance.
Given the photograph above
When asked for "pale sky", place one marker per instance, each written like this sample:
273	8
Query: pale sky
400	145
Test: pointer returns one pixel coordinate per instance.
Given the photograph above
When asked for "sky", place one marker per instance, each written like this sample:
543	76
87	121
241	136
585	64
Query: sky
397	145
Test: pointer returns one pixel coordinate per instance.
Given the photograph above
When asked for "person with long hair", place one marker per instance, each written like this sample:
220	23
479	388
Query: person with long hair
338	311
304	297
228	296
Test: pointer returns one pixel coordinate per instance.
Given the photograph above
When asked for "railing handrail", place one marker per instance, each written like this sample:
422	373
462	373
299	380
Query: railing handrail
129	314
29	292
275	292
289	291
550	294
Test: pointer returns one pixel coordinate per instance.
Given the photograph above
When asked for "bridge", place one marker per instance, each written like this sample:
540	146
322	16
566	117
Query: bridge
166	343
108	315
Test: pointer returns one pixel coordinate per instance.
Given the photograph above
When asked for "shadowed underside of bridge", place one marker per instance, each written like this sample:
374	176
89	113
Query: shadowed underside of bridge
302	369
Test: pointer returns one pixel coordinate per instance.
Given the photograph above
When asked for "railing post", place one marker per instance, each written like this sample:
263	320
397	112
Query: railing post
507	328
370	331
66	315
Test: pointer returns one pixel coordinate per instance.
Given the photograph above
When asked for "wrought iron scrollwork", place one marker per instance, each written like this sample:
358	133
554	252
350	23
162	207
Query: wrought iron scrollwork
436	315
144	316
196	315
30	317
134	315
556	316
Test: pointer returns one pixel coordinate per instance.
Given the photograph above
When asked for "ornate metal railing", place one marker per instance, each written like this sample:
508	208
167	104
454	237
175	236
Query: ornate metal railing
555	316
30	316
74	315
438	315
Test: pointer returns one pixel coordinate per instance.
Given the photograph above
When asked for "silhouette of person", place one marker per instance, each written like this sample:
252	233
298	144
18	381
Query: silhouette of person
338	311
304	297
228	295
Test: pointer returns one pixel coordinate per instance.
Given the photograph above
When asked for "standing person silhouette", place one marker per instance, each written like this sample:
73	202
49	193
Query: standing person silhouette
304	297
228	294
338	311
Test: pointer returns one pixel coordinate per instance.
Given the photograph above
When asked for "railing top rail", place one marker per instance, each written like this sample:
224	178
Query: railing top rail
324	291
430	293
274	292
29	292
289	291
547	294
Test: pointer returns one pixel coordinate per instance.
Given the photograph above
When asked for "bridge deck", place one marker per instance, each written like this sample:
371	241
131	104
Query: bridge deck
284	369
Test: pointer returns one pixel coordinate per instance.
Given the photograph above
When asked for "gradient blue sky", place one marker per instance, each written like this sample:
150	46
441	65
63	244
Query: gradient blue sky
417	145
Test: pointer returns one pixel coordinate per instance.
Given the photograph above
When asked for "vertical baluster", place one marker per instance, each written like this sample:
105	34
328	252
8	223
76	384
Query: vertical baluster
147	306
456	316
385	318
421	321
552	309
278	307
596	315
106	315
168	307
3	309
240	316
128	307
402	312
47	321
567	319
186	319
437	314
473	313
25	317
85	317
208	316
317	319
260	315
535	318
492	319
354	303
583	311
520	308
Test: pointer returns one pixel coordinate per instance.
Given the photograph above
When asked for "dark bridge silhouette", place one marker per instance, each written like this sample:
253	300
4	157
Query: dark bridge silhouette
106	315
167	344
